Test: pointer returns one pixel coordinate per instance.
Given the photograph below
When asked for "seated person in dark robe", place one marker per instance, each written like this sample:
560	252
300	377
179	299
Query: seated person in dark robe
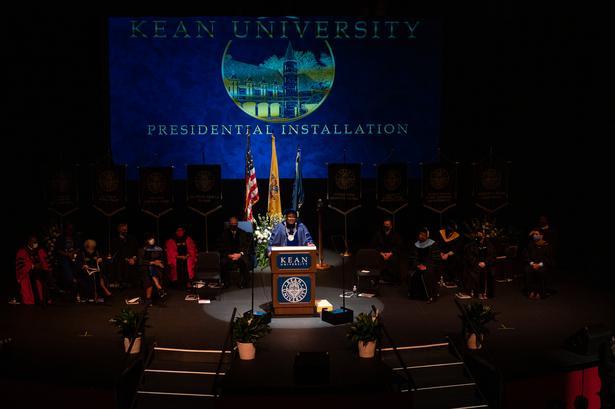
539	260
68	245
479	256
389	244
235	252
425	265
451	255
290	232
151	262
92	286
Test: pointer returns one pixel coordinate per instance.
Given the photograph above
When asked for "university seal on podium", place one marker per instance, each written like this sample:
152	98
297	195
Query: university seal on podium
294	289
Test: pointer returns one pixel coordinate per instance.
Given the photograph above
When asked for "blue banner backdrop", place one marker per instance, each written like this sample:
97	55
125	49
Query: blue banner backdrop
186	88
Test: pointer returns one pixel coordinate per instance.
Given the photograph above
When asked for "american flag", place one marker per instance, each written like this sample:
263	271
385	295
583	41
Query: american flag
251	185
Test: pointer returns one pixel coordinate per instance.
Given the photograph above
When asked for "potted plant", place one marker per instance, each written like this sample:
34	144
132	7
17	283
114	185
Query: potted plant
364	332
130	324
475	318
248	329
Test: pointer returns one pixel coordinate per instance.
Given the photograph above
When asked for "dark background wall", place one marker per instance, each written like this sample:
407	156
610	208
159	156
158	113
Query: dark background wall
531	85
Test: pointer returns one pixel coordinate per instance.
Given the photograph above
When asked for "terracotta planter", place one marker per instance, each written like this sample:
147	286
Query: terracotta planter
246	351
136	347
472	342
367	350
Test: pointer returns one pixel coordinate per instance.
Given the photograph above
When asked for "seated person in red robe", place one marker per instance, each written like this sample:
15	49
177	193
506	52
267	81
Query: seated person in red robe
33	272
181	258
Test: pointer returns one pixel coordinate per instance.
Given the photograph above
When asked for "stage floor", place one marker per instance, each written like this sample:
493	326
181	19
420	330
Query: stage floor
73	347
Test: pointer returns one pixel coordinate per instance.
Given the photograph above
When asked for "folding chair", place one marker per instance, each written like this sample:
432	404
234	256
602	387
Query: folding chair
368	266
417	289
207	281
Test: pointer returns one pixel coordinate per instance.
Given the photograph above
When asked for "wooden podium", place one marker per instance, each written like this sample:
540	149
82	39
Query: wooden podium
293	280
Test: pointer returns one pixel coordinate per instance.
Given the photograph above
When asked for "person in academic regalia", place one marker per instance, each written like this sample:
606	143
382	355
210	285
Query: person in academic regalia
91	278
151	261
67	246
181	257
479	256
290	232
123	253
389	244
235	252
32	273
451	255
539	260
425	265
549	234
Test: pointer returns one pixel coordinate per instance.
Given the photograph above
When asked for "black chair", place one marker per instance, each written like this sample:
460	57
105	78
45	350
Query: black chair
207	278
368	266
505	266
417	289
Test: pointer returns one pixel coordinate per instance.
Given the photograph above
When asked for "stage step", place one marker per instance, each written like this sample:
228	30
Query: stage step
190	355
440	376
419	357
181	378
450	398
158	401
174	382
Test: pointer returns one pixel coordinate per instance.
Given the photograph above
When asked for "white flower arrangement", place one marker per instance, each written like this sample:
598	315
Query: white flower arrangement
262	234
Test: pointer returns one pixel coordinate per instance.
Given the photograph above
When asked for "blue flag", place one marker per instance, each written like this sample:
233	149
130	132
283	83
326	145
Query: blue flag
298	195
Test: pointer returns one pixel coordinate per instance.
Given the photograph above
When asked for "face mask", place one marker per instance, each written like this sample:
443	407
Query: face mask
537	237
151	242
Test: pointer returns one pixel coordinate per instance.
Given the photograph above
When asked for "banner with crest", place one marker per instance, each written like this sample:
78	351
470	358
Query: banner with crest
156	190
203	188
439	186
392	186
491	184
344	186
63	190
109	188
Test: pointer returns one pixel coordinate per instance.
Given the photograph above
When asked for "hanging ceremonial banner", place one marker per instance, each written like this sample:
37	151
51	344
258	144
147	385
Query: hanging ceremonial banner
156	190
439	186
392	186
491	185
203	188
62	191
344	185
109	189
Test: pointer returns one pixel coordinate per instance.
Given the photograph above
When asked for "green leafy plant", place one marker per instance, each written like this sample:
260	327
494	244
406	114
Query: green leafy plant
264	227
477	316
365	328
130	322
249	328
